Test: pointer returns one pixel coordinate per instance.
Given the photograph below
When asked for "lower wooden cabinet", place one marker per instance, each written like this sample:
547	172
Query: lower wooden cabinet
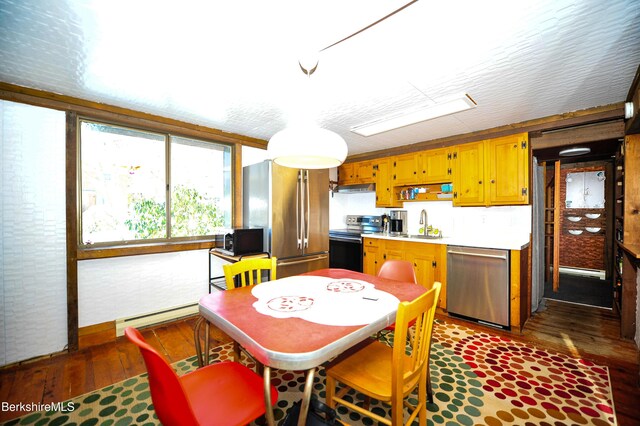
429	260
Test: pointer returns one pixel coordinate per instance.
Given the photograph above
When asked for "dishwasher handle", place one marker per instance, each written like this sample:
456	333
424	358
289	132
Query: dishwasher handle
466	253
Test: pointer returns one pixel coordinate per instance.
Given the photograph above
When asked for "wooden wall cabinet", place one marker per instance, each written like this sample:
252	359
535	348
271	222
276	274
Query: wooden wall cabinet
436	166
508	169
493	172
355	173
382	177
468	174
405	169
346	176
424	167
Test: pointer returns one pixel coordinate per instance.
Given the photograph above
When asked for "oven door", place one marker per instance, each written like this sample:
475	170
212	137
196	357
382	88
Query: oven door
345	253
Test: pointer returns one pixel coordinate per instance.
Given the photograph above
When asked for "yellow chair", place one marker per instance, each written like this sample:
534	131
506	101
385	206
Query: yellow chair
389	374
249	271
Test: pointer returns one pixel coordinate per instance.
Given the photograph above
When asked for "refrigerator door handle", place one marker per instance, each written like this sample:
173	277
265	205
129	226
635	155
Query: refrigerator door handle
307	210
305	260
298	210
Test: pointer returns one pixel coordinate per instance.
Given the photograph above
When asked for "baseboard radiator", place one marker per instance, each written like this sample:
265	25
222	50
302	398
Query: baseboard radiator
155	317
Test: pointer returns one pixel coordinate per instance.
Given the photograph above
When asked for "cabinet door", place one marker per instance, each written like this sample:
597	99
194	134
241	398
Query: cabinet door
393	250
436	166
508	170
424	263
468	174
346	174
429	265
371	257
382	179
363	172
405	169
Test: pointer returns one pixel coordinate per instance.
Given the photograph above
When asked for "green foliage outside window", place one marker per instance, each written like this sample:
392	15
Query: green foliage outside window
192	215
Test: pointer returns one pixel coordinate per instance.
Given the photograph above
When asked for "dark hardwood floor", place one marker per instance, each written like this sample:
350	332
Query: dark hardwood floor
581	331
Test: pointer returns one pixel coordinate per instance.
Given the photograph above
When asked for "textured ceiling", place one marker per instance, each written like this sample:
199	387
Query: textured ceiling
233	65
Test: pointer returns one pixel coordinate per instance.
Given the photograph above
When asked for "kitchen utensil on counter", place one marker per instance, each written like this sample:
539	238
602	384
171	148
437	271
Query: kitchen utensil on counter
399	223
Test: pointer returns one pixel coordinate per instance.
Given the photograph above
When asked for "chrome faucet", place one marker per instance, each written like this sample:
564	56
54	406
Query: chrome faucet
423	221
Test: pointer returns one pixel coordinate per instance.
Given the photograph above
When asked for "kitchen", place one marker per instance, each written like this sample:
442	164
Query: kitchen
153	274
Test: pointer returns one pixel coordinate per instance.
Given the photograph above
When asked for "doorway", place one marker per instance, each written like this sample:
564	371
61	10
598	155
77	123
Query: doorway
576	255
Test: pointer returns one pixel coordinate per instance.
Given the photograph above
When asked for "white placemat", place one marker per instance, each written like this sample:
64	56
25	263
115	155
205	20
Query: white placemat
323	300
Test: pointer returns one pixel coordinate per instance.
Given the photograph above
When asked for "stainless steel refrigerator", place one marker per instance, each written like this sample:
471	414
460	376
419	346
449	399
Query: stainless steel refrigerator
292	205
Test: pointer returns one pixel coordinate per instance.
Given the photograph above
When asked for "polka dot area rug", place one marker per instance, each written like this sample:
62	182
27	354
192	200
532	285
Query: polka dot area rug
478	379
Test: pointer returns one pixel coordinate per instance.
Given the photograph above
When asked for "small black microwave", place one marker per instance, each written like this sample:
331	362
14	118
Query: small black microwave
244	241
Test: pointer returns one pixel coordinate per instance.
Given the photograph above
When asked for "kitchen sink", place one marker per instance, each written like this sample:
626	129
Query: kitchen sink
423	237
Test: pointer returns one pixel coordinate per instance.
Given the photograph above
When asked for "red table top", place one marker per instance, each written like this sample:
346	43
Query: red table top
293	343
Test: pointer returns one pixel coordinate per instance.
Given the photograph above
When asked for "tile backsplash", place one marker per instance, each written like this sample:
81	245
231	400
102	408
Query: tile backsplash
452	221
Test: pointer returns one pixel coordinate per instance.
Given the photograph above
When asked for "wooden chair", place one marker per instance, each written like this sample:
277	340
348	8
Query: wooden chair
247	272
389	374
223	393
402	270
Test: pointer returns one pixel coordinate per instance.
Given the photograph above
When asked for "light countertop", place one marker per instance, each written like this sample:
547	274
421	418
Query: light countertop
503	242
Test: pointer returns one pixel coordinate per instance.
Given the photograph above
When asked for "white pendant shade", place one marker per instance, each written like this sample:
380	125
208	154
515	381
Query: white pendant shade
307	148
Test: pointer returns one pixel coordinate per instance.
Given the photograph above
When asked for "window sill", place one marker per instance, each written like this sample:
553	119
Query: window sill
86	253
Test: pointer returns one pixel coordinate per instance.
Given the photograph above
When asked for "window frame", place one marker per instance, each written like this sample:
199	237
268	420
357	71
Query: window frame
156	245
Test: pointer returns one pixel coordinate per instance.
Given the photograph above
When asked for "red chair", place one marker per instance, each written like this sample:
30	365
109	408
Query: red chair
398	270
225	393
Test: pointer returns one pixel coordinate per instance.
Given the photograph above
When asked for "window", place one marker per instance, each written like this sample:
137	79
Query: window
138	185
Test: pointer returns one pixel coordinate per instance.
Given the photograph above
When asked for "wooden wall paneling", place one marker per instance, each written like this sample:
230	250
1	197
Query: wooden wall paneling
72	229
556	227
237	185
632	190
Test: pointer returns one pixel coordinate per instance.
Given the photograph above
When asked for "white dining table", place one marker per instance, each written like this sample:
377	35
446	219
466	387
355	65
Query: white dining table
300	322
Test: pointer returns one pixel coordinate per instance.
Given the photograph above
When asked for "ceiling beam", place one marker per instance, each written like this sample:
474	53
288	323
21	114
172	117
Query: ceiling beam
97	110
575	135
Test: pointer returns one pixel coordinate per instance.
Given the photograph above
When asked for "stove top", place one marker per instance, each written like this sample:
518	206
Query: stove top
359	224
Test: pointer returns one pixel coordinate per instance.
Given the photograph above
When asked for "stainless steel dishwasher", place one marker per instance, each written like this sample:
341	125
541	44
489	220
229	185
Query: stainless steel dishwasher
478	284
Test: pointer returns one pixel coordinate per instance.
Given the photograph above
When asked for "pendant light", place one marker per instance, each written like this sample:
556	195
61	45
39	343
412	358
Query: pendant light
307	146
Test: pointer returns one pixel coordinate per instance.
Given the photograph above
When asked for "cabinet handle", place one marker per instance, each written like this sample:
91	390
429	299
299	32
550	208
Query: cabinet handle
493	181
433	263
449	171
479	182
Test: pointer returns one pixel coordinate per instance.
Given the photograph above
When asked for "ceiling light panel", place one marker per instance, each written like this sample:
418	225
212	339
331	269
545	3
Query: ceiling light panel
406	118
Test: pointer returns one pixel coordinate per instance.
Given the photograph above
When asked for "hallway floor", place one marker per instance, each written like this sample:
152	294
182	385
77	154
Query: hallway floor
582	290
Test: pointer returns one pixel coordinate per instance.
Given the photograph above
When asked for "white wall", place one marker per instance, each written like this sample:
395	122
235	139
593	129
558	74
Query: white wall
109	289
341	204
33	300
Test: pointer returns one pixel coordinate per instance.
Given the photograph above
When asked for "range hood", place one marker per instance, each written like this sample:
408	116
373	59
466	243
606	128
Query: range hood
360	187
